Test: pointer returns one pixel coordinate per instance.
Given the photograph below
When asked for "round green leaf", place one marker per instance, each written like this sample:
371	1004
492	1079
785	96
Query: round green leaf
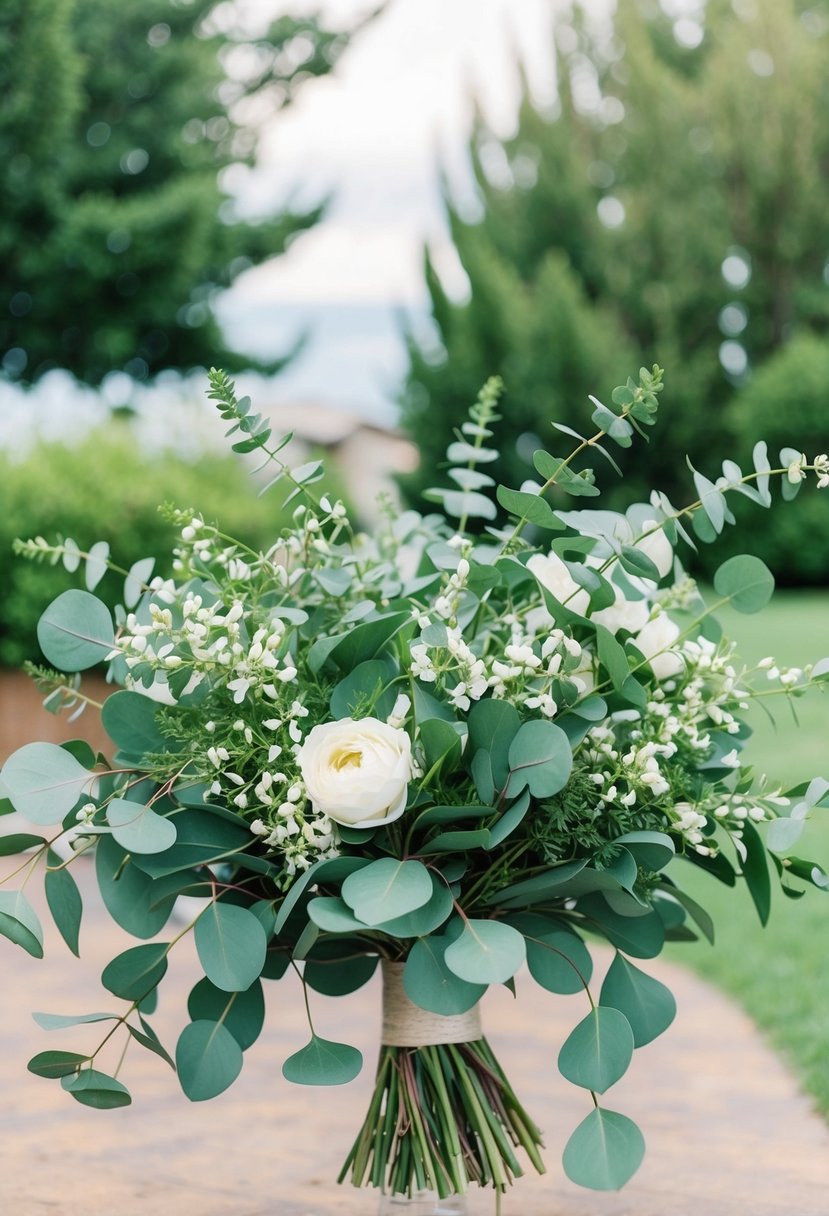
333	915
423	920
243	1013
137	971
208	1060
386	889
129	718
129	893
430	984
598	1051
746	581
557	958
323	1062
139	829
231	944
487	952
539	759
96	1089
365	690
646	1003
604	1152
75	632
43	782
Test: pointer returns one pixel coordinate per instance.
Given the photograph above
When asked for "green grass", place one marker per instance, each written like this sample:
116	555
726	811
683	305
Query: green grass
779	974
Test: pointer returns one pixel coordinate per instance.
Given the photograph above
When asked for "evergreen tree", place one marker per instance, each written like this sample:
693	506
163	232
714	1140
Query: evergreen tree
117	121
671	209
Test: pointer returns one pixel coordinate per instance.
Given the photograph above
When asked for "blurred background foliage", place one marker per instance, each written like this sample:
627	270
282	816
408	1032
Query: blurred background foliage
118	127
671	209
104	489
120	130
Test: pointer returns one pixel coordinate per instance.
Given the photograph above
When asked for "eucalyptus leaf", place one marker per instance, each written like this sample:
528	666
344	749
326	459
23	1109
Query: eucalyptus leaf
136	972
131	896
19	922
604	1152
243	1013
598	1051
96	1089
208	1059
746	581
138	576
425	919
323	1062
56	1063
783	834
333	869
19	842
150	1040
65	903
756	871
540	759
336	977
75	632
231	945
333	915
386	889
429	983
130	720
640	936
487	952
96	564
43	782
646	1003
139	829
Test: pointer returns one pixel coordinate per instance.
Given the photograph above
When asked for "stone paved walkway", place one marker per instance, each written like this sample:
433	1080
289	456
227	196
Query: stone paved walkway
727	1132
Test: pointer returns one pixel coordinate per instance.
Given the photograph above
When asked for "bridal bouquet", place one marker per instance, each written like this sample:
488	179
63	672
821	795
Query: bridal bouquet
473	742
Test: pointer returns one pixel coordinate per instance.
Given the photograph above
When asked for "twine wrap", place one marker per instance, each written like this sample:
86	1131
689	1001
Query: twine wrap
407	1025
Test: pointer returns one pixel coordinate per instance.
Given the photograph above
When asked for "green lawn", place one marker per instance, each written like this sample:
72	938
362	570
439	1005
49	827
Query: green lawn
781	973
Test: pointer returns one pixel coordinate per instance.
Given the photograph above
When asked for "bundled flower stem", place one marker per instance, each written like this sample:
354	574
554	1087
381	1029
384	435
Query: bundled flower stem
440	1118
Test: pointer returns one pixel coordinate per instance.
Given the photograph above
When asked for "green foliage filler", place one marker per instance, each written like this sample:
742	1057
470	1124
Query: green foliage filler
670	207
118	226
103	489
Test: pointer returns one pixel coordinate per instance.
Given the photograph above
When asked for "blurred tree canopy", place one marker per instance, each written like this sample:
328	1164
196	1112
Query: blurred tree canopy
119	125
670	209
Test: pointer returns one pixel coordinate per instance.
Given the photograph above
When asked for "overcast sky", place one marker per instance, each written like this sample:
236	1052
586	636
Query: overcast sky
375	133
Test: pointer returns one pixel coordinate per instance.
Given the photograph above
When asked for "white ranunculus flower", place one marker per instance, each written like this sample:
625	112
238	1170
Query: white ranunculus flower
624	614
357	772
553	574
655	641
657	547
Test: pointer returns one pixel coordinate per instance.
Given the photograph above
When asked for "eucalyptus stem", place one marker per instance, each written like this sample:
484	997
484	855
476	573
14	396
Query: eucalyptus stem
441	1117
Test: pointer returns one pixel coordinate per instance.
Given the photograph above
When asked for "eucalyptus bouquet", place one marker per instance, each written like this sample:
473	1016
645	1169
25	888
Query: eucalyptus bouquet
474	740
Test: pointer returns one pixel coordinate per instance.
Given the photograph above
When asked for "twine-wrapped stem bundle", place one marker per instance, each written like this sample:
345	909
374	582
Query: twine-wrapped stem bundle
442	1113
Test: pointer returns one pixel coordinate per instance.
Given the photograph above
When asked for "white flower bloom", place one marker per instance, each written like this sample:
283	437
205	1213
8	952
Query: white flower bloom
357	772
656	546
624	614
655	641
400	710
553	575
795	472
